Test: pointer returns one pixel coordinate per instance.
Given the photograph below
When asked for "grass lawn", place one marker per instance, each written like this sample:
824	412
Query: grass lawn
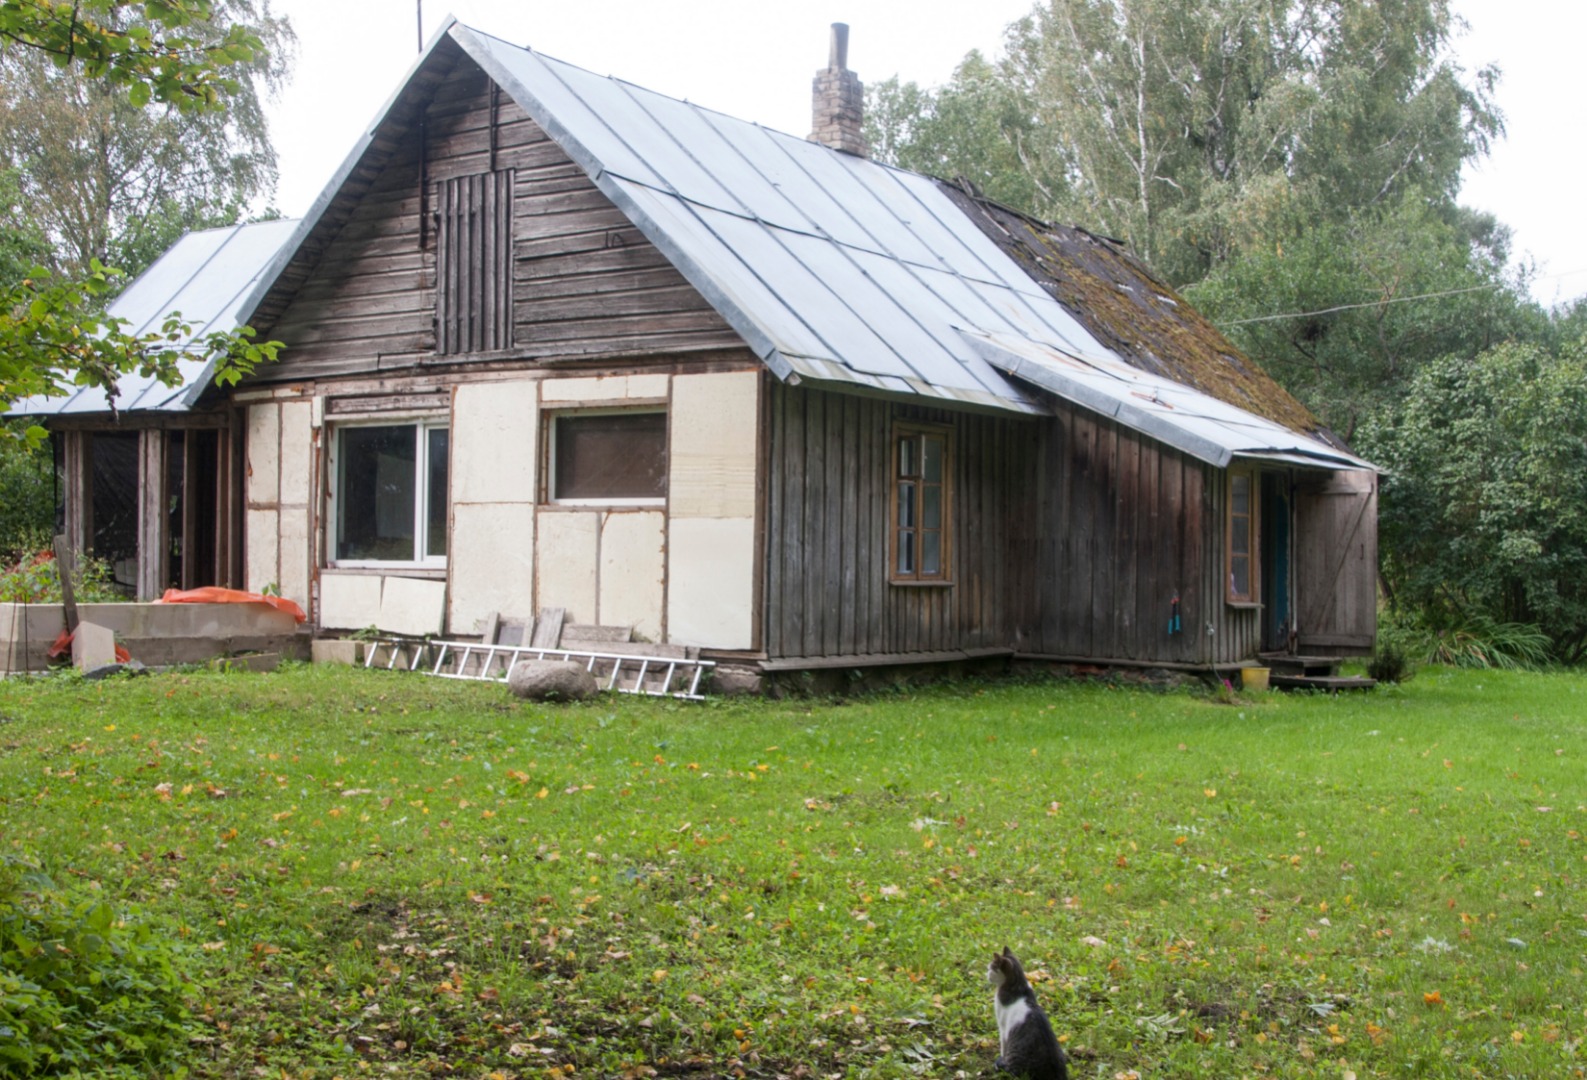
382	874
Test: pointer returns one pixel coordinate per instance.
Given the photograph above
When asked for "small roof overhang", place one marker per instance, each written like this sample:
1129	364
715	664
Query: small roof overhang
1188	420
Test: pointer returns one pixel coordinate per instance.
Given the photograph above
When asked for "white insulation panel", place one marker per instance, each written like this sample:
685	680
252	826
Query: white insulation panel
633	564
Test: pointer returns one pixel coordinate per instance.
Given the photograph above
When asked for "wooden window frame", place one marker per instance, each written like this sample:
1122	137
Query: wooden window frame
1253	554
423	425
549	420
915	531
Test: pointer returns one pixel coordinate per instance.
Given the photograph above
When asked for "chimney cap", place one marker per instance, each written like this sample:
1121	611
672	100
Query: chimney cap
838	55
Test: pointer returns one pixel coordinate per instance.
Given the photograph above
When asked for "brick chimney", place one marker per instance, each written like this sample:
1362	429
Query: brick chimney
839	100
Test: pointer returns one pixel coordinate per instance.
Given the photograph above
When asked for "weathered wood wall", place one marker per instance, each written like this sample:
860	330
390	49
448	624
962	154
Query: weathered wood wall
828	504
1071	537
1126	526
586	282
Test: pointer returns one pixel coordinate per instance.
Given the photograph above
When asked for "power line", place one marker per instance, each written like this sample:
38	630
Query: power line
1369	304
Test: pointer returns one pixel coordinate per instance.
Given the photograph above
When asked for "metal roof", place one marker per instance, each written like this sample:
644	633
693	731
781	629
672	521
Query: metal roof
833	268
844	270
1171	412
204	277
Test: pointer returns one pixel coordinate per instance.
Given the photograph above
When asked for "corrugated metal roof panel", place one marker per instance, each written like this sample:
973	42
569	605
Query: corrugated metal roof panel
1199	424
807	252
543	88
205	277
745	299
768	153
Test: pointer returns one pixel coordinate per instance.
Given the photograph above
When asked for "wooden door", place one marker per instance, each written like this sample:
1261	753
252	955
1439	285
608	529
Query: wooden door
1336	562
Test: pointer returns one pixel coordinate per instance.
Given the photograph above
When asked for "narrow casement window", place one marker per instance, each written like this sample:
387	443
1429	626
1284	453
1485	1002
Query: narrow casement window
474	263
389	500
609	457
1242	539
920	505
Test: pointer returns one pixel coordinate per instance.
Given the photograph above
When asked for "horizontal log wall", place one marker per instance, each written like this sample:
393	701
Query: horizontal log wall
828	512
585	281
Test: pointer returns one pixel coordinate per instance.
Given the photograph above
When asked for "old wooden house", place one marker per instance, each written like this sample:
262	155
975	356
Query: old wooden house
555	340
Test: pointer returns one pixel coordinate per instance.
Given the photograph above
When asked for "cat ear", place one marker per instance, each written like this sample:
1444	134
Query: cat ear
1006	952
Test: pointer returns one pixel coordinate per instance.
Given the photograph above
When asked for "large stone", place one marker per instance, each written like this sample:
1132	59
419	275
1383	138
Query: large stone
551	680
736	680
336	651
93	646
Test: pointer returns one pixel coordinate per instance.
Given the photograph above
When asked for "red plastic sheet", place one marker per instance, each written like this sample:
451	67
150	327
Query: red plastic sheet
215	595
62	649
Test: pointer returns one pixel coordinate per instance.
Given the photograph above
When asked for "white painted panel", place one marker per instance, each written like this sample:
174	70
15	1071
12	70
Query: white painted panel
714	443
711	582
633	570
492	561
565	567
349	601
297	451
293	575
603	388
412	605
494	443
262	542
264	455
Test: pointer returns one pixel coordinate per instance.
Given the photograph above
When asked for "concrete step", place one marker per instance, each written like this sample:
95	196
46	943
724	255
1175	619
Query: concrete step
1331	683
1286	664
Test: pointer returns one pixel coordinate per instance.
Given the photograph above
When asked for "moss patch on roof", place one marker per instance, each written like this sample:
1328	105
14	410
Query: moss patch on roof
1128	309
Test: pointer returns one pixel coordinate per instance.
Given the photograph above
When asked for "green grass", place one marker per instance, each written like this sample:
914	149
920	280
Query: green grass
384	874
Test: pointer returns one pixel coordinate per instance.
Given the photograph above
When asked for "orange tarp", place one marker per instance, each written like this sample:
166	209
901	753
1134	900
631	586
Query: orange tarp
215	595
63	648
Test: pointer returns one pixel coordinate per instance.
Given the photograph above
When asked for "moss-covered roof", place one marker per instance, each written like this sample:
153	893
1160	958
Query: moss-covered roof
1129	309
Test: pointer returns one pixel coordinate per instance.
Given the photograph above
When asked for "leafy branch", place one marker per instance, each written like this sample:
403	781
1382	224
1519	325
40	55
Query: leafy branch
162	50
54	335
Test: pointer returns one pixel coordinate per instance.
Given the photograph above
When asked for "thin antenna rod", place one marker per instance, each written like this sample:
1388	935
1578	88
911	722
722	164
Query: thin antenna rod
419	4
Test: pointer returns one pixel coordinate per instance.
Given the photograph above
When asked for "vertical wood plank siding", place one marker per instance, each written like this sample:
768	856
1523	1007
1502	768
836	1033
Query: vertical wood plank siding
583	280
473	306
827	591
1071	537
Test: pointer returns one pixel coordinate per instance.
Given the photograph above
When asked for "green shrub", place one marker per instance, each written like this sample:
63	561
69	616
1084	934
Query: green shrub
1484	511
34	579
1478	641
83	991
27	494
1389	664
1467	641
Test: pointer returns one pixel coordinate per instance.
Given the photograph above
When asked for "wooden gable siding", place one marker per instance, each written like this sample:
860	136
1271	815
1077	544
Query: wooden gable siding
586	282
828	526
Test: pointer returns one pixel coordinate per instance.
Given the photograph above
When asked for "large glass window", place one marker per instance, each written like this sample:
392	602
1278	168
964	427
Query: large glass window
390	493
609	457
921	492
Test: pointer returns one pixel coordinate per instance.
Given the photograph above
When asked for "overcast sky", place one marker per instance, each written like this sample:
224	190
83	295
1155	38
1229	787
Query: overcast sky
754	59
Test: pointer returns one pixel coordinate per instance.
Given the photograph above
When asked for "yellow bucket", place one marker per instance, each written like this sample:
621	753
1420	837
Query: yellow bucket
1254	678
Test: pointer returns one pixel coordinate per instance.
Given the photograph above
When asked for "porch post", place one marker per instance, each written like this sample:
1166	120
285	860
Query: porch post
153	526
77	486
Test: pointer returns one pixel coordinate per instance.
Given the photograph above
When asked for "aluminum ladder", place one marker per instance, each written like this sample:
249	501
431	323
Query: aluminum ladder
652	676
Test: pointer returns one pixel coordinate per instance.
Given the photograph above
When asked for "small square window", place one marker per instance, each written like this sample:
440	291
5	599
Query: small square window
389	498
609	457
